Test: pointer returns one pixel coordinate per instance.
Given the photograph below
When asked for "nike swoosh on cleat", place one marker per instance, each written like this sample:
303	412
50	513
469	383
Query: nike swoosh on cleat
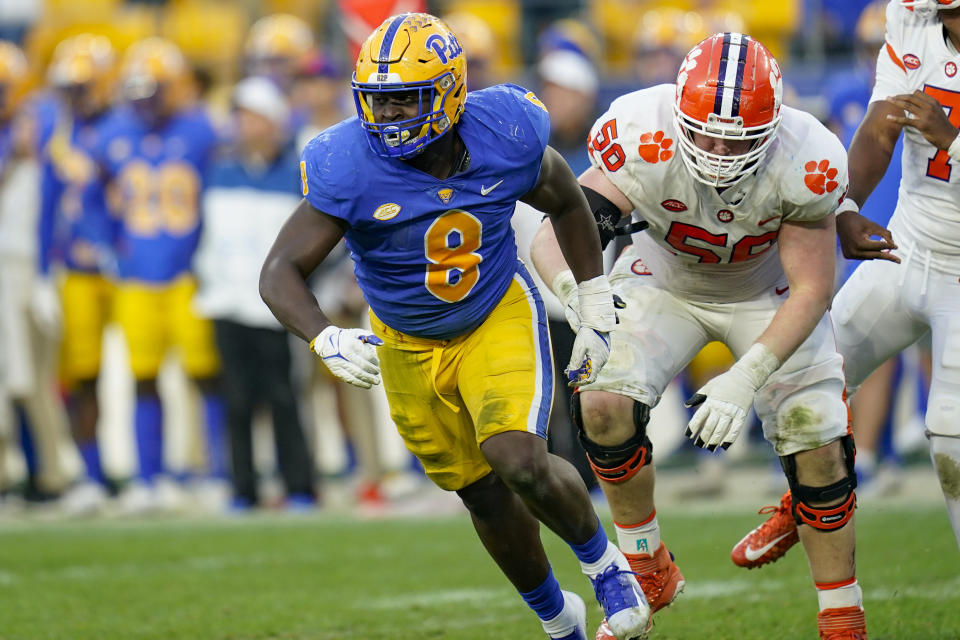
485	190
754	554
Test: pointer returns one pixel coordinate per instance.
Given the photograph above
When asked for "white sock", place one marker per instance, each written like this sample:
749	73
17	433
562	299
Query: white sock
945	453
641	538
610	556
839	597
566	621
866	461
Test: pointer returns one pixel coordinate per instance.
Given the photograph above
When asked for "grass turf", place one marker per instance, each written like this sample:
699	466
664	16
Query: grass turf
333	577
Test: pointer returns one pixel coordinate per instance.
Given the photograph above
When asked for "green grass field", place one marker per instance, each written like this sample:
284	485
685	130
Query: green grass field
330	577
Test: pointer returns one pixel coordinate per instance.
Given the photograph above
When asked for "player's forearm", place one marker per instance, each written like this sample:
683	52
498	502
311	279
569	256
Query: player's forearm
870	152
545	254
794	322
576	235
285	292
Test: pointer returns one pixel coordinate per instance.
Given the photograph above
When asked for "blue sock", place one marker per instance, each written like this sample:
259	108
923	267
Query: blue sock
593	549
148	424
90	453
26	443
215	416
546	600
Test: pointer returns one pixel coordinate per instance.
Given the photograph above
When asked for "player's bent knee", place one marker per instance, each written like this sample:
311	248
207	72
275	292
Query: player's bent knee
619	462
829	507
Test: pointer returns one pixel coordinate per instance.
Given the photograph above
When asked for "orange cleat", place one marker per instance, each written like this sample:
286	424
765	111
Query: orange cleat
845	623
771	540
659	578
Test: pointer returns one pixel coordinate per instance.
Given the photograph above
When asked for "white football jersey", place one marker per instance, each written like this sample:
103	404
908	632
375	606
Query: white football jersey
701	244
918	56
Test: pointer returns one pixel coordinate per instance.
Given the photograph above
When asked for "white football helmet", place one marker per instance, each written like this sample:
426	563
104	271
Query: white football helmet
927	8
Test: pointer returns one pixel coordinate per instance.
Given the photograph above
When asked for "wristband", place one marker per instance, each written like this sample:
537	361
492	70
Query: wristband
564	286
848	204
954	149
758	363
596	304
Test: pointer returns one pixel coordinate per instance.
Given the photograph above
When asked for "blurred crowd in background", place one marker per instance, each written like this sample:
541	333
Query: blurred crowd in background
149	154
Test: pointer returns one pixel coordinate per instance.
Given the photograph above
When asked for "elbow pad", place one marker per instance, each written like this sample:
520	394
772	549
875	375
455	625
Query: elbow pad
606	214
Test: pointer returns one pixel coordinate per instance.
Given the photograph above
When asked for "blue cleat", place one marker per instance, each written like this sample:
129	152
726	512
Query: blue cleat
624	605
575	602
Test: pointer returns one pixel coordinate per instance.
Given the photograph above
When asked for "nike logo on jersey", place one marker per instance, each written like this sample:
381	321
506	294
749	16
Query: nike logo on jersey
485	190
754	554
782	291
766	220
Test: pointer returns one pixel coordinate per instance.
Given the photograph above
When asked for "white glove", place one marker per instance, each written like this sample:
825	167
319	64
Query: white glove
350	354
597	318
45	308
727	398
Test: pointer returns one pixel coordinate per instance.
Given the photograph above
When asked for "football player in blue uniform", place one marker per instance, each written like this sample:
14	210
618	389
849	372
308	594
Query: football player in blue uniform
77	229
156	152
423	185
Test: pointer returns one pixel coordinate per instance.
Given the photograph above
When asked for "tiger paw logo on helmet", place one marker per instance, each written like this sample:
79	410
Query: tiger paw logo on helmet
821	177
655	147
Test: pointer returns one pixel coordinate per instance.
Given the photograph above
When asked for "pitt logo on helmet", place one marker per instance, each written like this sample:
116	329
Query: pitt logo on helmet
413	56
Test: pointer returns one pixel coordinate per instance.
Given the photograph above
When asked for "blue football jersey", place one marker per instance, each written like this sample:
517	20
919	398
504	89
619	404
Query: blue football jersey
73	192
433	257
157	176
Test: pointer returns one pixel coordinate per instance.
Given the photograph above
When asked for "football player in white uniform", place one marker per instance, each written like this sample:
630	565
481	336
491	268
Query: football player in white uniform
912	283
739	193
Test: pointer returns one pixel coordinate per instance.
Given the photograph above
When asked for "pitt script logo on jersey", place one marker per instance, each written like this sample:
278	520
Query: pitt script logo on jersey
387	211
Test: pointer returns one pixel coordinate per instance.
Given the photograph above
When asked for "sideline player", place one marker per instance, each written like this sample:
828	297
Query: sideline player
156	153
78	228
739	194
910	285
423	185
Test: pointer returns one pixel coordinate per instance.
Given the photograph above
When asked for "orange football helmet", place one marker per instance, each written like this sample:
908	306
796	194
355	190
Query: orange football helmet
411	52
729	87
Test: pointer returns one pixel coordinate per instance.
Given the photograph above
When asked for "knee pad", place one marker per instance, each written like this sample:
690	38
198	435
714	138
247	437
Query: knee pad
832	517
620	462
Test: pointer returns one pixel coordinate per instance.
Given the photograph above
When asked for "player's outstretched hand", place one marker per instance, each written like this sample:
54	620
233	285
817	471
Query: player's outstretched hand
350	354
726	399
596	318
856	234
926	115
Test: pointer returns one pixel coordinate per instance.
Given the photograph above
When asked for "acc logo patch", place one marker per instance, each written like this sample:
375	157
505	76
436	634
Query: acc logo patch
724	215
820	177
445	196
950	69
673	205
386	211
911	61
655	147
